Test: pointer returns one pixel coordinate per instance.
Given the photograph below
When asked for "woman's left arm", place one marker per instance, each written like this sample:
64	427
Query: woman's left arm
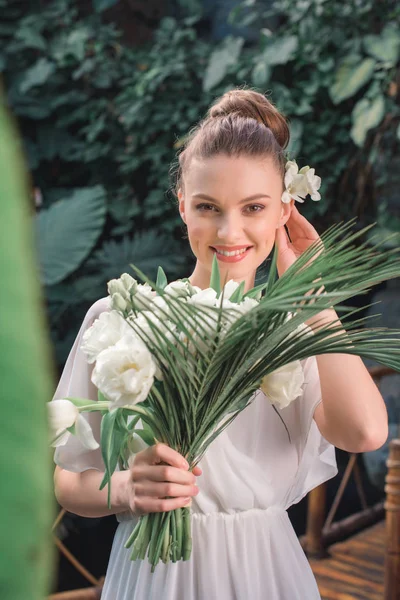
352	414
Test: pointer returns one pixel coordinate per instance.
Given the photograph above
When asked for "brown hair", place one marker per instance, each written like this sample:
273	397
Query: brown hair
241	122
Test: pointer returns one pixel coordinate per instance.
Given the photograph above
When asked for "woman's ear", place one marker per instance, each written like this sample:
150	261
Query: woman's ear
286	210
181	205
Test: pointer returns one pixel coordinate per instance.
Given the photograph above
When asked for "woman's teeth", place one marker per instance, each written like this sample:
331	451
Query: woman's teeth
234	253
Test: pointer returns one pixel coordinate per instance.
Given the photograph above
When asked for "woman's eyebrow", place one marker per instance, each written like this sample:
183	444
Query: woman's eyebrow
249	199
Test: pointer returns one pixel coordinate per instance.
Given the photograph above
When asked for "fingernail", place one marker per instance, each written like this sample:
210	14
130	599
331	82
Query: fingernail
185	464
188	503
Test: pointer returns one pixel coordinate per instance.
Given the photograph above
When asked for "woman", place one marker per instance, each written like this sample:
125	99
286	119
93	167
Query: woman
230	190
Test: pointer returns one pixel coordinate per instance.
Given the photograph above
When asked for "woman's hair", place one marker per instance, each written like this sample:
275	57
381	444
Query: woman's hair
239	123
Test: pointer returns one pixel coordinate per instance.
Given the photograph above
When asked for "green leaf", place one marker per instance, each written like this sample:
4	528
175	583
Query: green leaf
101	5
112	437
261	74
215	281
384	47
350	77
281	50
238	294
67	232
162	280
146	436
30	38
26	500
366	115
36	75
220	60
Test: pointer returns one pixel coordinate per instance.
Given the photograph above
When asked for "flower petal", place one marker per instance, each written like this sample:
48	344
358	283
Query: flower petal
85	434
286	198
62	414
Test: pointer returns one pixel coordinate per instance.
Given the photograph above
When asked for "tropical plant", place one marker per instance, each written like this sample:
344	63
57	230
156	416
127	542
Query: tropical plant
95	111
26	498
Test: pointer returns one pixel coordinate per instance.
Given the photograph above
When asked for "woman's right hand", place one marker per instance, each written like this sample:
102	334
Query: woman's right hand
159	480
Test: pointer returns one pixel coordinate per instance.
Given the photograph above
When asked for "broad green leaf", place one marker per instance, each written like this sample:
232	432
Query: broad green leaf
27	505
261	73
100	5
366	115
384	47
36	75
30	38
220	60
351	76
67	232
281	50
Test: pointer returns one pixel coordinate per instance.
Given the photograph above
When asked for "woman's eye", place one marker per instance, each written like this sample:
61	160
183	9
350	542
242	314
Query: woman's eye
254	208
205	207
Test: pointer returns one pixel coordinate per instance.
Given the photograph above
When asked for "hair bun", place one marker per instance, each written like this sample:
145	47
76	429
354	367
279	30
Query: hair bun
253	105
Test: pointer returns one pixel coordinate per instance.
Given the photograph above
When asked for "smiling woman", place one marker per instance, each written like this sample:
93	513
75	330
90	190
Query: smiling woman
239	219
236	194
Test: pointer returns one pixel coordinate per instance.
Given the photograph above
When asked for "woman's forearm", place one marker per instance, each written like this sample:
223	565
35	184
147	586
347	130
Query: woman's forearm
352	415
79	492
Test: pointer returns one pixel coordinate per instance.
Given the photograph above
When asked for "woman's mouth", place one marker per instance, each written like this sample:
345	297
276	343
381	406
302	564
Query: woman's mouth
231	254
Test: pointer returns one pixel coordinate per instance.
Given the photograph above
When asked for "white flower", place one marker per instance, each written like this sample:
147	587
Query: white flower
247	304
105	332
124	373
229	288
178	289
284	385
62	415
165	327
207	297
143	297
299	184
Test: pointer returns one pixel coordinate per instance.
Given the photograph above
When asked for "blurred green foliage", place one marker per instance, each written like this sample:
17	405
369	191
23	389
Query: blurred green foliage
102	122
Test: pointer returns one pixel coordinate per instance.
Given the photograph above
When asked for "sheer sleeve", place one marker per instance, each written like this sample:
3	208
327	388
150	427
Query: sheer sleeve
76	381
317	459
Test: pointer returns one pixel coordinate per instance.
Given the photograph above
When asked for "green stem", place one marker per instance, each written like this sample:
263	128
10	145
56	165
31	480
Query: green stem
155	519
133	535
174	554
178	518
165	553
187	534
159	541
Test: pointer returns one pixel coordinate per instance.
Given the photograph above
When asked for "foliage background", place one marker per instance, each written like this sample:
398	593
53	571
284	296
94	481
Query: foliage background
104	92
103	112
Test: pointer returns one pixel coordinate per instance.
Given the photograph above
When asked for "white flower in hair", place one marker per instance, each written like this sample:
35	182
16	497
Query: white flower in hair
299	184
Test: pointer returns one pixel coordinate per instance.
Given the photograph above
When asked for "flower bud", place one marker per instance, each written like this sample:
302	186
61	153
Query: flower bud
118	302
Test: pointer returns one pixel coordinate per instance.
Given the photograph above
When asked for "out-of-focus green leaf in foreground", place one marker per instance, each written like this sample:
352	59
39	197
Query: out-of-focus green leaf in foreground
26	505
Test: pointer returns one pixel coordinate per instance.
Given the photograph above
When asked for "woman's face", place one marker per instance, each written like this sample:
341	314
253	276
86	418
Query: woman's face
232	207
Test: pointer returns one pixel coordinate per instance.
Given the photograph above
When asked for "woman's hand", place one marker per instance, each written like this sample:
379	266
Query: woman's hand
154	486
302	236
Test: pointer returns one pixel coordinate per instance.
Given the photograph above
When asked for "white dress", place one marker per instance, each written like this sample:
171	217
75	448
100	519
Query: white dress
244	546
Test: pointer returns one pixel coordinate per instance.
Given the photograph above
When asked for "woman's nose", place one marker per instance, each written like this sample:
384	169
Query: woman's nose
228	229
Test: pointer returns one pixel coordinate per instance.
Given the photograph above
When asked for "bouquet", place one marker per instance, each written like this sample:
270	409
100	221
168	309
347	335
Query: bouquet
186	361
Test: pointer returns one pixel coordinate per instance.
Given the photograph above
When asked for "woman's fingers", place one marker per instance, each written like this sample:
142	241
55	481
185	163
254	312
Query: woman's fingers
197	471
164	489
162	473
149	505
161	453
297	223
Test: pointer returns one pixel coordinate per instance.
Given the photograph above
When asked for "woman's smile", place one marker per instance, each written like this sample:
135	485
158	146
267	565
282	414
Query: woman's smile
231	254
